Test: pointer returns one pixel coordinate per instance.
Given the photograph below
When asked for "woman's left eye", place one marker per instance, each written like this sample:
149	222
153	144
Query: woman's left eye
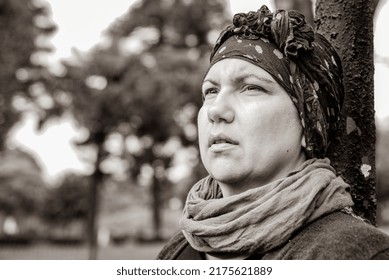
253	88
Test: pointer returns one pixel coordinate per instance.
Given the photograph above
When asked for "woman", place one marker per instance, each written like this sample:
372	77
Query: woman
272	99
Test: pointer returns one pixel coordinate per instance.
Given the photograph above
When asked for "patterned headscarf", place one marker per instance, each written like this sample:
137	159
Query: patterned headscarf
303	62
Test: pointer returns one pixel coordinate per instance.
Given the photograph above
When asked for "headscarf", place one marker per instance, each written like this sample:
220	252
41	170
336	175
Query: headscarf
303	62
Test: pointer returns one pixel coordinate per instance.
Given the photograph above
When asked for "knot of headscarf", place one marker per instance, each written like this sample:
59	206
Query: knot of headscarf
303	62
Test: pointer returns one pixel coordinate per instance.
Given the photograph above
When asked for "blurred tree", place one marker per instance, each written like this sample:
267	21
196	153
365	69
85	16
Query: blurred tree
24	27
22	188
68	201
143	88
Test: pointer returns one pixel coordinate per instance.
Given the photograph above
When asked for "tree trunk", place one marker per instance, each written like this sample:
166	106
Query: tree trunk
158	179
348	25
156	206
96	180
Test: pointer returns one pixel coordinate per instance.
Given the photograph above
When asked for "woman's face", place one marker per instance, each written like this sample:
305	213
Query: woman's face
249	130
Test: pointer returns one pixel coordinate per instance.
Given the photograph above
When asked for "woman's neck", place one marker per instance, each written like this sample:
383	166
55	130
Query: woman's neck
233	188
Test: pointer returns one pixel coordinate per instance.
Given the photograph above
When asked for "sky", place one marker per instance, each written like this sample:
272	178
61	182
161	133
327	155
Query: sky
80	26
81	23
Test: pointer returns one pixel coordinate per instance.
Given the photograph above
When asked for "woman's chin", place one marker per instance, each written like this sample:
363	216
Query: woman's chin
227	176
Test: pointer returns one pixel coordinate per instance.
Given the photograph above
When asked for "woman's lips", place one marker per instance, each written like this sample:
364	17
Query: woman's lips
221	142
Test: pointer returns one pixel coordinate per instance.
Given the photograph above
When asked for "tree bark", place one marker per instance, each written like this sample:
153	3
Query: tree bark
348	25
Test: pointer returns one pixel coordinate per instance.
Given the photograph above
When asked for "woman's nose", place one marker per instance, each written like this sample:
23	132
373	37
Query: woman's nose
221	109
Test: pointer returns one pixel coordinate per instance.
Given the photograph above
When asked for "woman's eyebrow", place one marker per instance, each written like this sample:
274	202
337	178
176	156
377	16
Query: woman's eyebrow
242	78
210	81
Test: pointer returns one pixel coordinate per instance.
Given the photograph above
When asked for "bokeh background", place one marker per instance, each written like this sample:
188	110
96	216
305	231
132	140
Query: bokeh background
98	105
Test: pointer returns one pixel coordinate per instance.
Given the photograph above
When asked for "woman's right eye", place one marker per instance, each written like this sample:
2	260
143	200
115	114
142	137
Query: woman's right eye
210	91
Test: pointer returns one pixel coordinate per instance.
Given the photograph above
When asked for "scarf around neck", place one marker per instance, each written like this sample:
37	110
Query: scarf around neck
265	217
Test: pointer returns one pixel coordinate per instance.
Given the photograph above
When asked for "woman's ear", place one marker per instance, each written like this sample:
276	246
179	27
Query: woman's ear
303	143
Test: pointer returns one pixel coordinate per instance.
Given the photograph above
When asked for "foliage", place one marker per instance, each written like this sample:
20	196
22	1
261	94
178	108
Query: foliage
145	95
142	92
21	186
178	23
24	26
68	201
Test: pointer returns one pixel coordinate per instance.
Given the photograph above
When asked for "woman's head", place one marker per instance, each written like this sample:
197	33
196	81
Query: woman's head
282	48
303	62
243	124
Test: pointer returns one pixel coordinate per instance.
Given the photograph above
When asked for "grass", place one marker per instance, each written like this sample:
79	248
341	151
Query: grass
127	251
134	223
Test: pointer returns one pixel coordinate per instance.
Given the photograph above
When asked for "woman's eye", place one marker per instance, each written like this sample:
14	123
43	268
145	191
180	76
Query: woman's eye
210	91
253	88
